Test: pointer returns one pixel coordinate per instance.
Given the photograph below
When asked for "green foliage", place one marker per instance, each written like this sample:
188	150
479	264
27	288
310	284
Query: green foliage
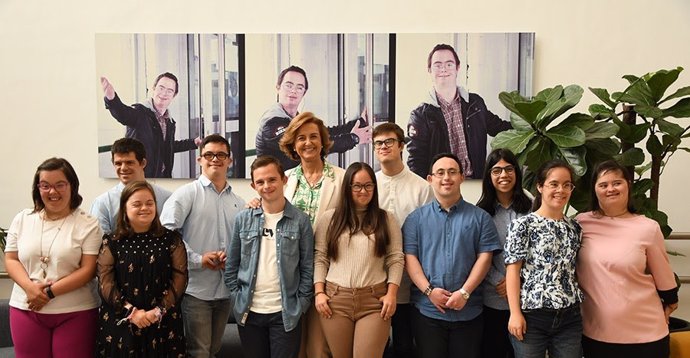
643	138
537	137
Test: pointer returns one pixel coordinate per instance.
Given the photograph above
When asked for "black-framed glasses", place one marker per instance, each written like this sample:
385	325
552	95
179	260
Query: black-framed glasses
496	171
59	186
369	187
387	143
442	173
220	155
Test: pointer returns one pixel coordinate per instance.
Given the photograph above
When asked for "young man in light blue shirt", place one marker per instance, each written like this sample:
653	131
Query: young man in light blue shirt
204	211
270	267
129	160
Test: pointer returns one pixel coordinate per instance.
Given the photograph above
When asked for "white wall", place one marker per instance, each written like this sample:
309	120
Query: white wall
48	78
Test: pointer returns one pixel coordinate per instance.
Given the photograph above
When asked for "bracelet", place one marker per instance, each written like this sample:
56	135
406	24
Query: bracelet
320	292
50	293
428	290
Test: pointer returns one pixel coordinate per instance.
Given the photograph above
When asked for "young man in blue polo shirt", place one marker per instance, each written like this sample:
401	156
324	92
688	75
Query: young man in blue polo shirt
448	247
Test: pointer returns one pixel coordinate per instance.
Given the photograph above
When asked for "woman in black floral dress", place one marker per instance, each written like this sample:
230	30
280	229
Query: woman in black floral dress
142	273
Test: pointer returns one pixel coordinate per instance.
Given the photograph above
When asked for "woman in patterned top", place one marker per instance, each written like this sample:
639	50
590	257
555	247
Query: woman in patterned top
142	274
540	254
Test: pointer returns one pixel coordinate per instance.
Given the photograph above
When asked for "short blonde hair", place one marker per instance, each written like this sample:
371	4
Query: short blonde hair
287	142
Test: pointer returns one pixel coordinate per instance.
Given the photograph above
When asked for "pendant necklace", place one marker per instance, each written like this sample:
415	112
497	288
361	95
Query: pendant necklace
45	259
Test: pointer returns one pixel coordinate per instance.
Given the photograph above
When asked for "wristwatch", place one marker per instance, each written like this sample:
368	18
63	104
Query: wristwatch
465	294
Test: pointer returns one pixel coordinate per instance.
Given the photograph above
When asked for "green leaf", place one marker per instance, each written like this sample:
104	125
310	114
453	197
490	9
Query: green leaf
660	80
519	124
576	158
679	110
540	151
604	96
635	134
631	78
607	147
580	120
648	111
601	130
681	92
643	168
642	186
669	127
601	111
508	99
631	157
685	149
670	142
638	93
511	139
571	97
566	136
549	95
654	146
530	110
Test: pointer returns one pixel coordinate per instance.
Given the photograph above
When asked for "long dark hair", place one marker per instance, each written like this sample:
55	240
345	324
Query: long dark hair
544	171
345	216
123	228
603	168
66	168
521	203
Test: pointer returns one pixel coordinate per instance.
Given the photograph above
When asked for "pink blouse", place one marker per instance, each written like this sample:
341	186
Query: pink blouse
621	265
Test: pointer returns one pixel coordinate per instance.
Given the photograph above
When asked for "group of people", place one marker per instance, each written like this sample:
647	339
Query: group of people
327	262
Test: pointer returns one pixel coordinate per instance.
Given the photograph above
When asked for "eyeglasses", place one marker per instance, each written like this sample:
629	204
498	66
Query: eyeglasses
369	187
220	155
59	186
378	144
289	86
555	185
448	65
442	173
496	171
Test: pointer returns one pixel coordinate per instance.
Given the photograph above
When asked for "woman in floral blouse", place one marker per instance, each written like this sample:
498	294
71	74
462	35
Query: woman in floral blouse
540	254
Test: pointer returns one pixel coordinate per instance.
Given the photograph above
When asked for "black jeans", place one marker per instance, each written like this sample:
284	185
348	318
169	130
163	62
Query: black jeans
444	339
596	349
264	336
496	339
403	339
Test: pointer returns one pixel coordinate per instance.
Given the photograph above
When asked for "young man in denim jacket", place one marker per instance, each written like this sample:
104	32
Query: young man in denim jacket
270	267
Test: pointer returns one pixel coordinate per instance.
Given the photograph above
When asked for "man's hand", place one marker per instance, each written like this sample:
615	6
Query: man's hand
255	203
108	89
439	297
214	260
456	301
517	326
501	288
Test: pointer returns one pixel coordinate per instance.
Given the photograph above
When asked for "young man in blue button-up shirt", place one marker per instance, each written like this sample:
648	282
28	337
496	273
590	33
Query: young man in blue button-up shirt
448	246
204	211
270	267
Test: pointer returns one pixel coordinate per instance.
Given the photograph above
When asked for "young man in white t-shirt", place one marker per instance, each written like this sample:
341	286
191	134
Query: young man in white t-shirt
270	267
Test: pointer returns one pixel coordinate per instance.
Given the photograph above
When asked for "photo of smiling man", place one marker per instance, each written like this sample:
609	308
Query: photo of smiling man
151	123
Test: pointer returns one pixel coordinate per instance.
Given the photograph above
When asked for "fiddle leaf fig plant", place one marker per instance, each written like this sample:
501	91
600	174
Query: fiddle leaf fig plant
649	136
537	137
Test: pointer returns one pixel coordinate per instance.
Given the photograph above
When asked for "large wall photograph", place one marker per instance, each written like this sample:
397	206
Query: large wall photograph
249	86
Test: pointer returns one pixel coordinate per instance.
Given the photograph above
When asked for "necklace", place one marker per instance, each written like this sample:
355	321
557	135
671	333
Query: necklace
617	215
45	259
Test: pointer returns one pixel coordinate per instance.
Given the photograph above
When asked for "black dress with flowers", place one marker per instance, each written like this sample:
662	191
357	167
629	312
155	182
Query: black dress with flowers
147	271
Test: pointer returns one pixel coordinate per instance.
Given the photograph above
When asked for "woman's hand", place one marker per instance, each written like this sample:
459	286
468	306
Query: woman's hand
668	309
321	303
255	203
35	296
517	326
142	319
501	289
390	303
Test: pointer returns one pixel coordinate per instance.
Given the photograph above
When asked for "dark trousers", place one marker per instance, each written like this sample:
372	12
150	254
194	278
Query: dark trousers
403	338
597	349
436	338
264	336
496	339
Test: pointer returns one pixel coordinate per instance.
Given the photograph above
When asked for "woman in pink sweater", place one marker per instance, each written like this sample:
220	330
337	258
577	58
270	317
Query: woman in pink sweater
629	286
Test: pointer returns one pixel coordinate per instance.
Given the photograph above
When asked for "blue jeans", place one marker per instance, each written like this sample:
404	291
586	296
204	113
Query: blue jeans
204	324
557	331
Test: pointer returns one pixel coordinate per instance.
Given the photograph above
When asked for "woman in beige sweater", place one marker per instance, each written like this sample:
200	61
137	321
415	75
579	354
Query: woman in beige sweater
358	266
